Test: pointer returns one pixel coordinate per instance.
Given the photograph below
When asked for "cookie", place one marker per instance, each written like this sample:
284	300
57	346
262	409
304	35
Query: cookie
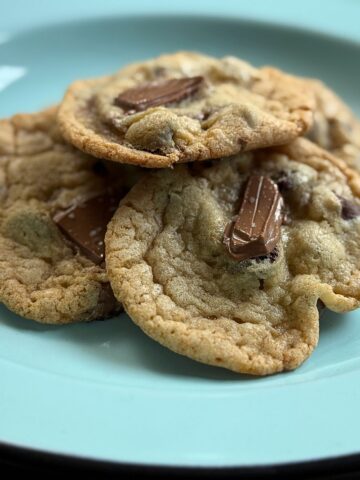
226	261
335	127
54	204
183	107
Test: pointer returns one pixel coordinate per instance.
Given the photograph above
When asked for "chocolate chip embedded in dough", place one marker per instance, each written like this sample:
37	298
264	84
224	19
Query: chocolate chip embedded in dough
272	256
349	209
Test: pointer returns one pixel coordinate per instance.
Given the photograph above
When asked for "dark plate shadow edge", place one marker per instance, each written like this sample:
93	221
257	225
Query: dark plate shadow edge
43	461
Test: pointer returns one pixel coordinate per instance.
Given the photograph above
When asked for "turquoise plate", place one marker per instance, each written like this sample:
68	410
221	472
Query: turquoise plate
104	391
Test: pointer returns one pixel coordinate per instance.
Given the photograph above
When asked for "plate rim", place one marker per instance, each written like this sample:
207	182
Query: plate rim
183	15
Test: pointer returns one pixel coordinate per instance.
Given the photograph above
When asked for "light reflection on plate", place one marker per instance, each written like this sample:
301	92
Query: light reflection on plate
9	74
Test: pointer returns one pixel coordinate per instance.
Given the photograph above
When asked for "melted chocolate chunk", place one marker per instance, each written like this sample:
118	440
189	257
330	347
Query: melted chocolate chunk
349	210
255	231
157	93
85	223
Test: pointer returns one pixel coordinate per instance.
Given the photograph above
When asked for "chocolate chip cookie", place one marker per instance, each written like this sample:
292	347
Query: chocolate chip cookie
183	107
55	203
226	261
335	127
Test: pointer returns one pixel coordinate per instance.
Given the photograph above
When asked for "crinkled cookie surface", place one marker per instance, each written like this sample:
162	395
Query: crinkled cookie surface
234	107
43	276
335	127
167	263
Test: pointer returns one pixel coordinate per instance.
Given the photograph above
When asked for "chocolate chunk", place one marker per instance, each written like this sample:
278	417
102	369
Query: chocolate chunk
349	210
157	93
85	223
255	231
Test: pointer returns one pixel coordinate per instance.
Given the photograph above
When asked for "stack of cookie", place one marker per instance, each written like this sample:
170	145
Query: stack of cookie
242	226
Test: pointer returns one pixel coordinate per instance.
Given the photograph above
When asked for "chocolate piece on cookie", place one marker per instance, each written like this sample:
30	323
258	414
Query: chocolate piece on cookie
168	260
85	222
183	107
255	231
154	94
45	273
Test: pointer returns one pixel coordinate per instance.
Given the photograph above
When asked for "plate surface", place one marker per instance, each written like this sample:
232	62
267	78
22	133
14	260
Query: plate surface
104	390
